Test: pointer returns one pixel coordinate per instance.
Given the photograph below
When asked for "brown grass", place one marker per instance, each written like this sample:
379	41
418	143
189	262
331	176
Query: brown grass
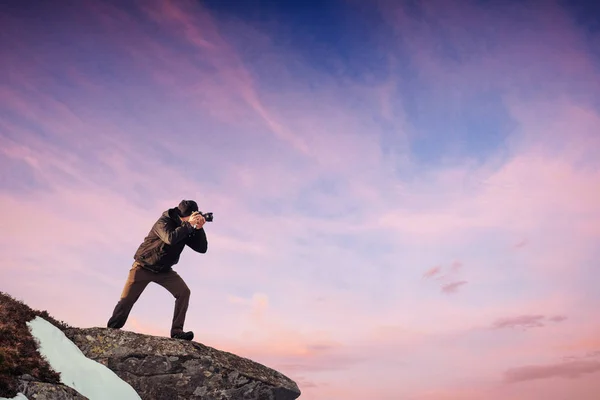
18	348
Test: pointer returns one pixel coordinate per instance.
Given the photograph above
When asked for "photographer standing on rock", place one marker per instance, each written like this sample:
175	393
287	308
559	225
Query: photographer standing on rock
154	259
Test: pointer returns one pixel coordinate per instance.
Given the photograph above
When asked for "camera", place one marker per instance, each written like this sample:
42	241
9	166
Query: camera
207	216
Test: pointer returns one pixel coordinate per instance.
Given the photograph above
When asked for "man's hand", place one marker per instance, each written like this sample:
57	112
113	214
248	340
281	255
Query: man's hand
197	220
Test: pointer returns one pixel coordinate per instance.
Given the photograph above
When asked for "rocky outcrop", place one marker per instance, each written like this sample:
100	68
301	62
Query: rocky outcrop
33	389
164	368
155	367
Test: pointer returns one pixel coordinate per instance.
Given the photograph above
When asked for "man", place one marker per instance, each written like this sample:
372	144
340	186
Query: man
154	259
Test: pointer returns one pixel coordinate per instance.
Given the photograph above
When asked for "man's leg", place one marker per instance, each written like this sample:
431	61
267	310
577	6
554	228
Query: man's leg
137	280
177	287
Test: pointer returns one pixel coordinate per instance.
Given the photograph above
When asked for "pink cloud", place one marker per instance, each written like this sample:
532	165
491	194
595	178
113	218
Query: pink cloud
584	388
456	265
432	272
558	318
448	282
569	370
521	244
453	287
523	321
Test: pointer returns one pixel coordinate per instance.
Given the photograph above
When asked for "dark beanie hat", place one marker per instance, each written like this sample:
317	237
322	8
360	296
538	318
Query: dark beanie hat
187	207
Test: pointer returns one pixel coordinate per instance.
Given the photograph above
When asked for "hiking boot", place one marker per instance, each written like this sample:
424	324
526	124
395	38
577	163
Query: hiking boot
183	335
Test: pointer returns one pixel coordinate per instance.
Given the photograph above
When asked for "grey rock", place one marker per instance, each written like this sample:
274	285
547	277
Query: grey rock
47	391
161	368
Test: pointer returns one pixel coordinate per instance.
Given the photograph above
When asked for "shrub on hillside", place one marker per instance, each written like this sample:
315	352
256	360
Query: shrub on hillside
18	348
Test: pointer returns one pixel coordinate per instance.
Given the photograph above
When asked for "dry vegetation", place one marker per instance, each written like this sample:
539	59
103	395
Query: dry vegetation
18	348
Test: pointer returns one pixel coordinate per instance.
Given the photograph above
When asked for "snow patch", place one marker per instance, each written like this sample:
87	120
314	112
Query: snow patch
90	378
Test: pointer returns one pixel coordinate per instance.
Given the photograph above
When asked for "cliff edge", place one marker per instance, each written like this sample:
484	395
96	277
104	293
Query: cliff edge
154	367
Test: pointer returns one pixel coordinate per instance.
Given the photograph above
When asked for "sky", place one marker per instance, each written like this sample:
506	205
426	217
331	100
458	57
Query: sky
405	193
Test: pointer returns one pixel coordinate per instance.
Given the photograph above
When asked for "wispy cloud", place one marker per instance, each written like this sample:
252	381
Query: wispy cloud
569	370
526	321
448	282
453	287
197	26
521	244
558	318
435	271
523	321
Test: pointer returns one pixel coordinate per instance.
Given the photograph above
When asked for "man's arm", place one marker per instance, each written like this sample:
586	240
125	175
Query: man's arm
197	241
169	234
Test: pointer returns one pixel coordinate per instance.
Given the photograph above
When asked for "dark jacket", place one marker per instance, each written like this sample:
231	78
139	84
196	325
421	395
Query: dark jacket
163	245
